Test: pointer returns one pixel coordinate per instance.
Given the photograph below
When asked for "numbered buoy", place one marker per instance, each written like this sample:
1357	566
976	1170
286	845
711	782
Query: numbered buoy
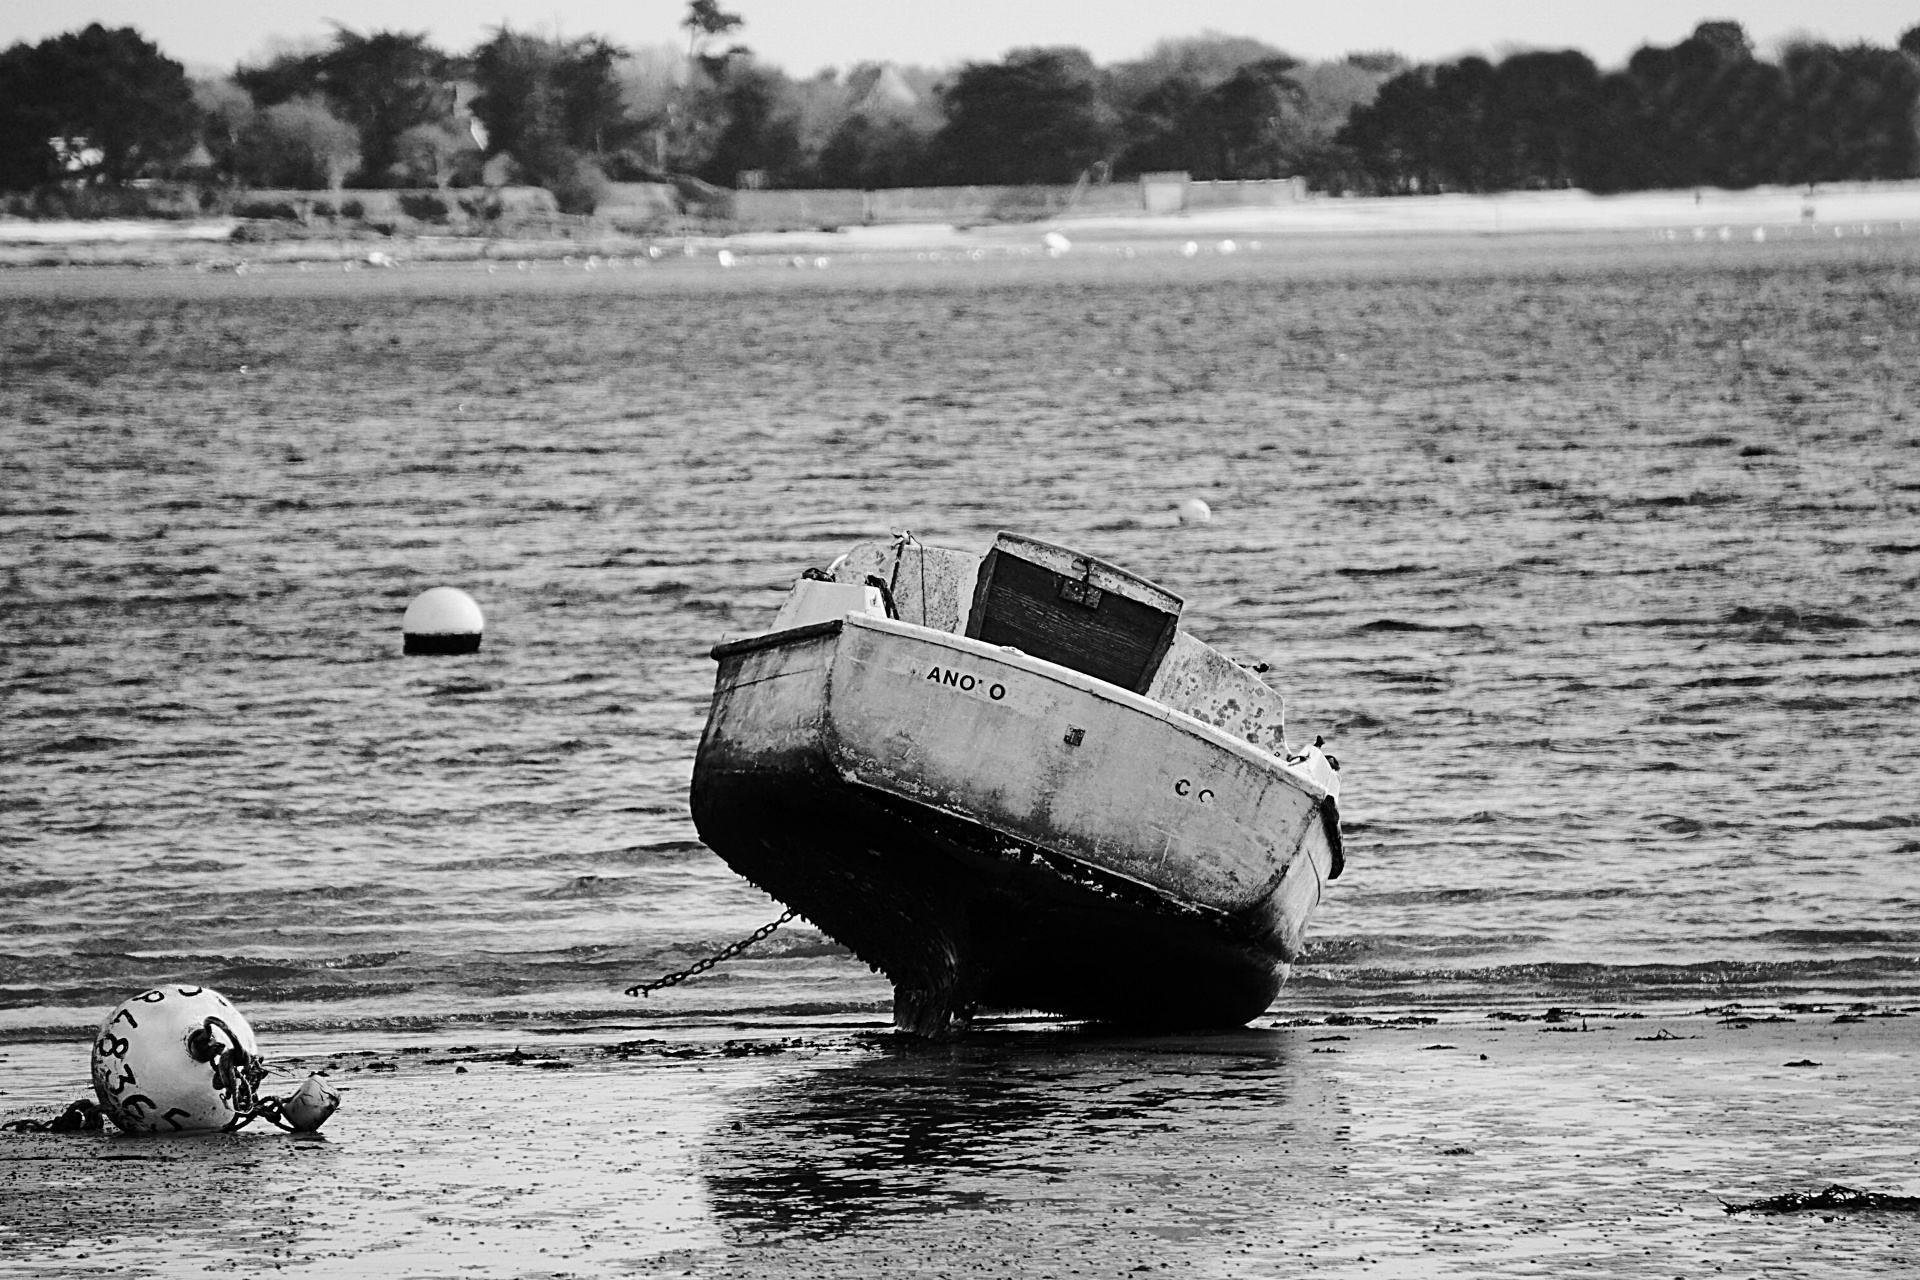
1194	511
442	620
176	1060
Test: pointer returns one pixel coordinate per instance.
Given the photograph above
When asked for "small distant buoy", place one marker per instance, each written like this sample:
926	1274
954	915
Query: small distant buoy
1759	235
176	1060
1194	511
442	620
1226	246
378	259
819	264
1189	249
724	257
1056	244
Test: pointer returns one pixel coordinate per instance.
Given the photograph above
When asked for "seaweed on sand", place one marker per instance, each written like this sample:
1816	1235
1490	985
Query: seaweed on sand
1833	1197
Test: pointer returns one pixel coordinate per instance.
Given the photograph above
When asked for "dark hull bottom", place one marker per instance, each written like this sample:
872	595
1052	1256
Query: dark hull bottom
959	917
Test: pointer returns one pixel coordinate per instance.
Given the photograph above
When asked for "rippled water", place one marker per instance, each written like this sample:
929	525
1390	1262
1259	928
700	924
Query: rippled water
1595	562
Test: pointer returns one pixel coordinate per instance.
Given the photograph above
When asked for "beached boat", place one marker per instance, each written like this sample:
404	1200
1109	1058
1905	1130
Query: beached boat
1010	781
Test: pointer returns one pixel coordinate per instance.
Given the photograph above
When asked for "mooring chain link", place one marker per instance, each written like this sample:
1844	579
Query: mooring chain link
727	952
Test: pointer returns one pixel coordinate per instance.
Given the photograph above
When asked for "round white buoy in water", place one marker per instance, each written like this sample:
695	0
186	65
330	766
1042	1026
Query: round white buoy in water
176	1060
724	257
442	620
1189	249
1055	243
1194	511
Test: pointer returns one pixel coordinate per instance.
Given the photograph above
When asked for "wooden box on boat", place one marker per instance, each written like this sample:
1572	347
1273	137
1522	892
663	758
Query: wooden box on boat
992	828
1072	609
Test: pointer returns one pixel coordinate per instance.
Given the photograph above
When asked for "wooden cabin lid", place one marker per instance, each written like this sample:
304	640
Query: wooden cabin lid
1074	610
1069	563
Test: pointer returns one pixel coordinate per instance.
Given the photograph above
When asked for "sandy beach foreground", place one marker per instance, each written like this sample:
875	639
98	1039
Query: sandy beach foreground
1599	1145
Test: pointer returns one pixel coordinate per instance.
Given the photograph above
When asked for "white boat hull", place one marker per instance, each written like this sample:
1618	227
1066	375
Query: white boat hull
994	830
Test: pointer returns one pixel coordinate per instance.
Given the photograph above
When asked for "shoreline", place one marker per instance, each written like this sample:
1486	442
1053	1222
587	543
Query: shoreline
1781	212
1351	1149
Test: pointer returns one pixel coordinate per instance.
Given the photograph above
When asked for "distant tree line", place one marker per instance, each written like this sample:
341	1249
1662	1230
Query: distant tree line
387	108
1705	112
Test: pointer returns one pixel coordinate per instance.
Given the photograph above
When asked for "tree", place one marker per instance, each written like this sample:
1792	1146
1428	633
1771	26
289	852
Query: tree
226	111
1330	93
1849	114
434	155
383	84
1252	122
592	108
1036	116
555	107
1704	112
1165	129
760	132
875	152
119	108
1393	138
298	144
1540	119
706	22
1203	61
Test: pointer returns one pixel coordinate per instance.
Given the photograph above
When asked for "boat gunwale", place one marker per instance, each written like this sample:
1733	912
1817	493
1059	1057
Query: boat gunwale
769	639
1076	680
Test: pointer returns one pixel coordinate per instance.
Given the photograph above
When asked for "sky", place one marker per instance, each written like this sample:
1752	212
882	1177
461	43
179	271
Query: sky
805	37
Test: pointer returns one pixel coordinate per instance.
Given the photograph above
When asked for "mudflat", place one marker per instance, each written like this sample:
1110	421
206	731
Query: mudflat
1592	1144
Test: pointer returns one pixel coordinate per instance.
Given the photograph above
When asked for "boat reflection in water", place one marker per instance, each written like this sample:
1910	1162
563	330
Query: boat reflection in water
1010	781
1033	1129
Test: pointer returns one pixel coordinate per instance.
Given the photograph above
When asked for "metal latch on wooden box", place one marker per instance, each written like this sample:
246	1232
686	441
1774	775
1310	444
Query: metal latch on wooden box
1080	590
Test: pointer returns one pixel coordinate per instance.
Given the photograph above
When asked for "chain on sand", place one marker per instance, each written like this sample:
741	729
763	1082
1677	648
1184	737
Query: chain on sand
698	967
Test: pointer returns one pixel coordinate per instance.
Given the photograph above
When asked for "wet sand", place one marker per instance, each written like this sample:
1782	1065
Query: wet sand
1599	1145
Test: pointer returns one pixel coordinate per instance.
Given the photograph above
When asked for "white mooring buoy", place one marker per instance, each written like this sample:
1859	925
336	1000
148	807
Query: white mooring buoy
176	1060
1194	511
442	620
184	1060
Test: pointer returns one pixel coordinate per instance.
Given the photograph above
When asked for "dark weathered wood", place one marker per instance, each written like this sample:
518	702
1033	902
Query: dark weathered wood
1034	608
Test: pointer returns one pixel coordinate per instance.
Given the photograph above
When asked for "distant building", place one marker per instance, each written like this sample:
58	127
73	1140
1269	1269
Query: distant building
878	90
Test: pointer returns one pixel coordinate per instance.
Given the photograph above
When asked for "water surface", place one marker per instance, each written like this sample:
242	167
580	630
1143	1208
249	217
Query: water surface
1593	560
